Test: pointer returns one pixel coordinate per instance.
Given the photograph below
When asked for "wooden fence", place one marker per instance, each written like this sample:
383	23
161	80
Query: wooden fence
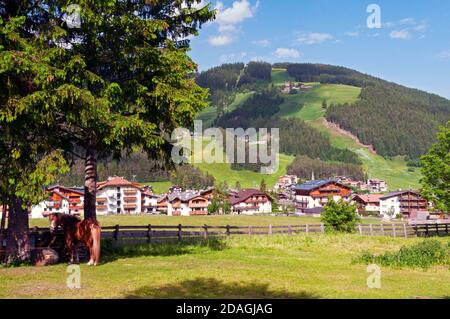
155	234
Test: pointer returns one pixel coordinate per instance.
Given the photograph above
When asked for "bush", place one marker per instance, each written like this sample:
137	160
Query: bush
424	255
340	216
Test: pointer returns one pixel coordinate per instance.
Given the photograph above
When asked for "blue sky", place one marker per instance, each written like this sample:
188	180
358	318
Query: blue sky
412	47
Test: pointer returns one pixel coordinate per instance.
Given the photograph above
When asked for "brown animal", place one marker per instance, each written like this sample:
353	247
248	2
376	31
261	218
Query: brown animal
75	230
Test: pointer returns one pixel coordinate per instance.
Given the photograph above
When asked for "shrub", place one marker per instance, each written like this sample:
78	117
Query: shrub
340	216
423	255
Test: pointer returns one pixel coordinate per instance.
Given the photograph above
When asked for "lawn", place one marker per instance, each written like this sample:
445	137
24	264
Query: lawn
138	220
300	266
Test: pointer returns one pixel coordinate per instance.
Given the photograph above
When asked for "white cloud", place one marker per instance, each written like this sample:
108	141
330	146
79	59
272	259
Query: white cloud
220	40
262	43
229	19
444	55
400	34
352	34
284	53
314	38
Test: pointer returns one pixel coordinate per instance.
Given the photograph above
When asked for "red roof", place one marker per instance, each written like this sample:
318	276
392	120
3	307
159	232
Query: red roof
117	182
370	198
245	194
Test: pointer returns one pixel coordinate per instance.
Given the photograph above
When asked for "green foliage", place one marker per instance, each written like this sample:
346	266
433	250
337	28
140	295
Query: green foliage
256	72
340	216
189	177
220	204
422	255
436	171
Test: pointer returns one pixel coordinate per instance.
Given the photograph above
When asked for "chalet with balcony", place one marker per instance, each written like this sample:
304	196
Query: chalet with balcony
250	202
149	201
188	204
317	194
56	203
368	204
75	195
119	196
406	203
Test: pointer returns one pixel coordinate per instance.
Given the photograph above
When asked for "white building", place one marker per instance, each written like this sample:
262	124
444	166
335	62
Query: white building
119	196
250	202
187	204
149	202
377	186
57	203
405	203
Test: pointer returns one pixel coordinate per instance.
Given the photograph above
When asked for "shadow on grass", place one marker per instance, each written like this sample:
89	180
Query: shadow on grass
210	288
112	252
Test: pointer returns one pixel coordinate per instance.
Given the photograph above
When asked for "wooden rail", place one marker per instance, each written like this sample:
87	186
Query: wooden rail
158	233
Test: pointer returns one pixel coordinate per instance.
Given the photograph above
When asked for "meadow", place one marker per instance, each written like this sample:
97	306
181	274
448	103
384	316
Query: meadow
214	220
301	266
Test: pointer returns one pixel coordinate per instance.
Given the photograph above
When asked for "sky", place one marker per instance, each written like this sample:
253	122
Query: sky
404	41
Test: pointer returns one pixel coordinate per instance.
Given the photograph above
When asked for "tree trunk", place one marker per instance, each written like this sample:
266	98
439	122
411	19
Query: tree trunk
2	228
90	182
18	237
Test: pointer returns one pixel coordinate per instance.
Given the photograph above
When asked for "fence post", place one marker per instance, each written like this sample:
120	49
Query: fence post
371	229
180	232
382	229
116	233
149	233
228	230
360	229
205	233
307	228
446	228
270	229
290	229
427	231
250	230
322	228
394	230
404	230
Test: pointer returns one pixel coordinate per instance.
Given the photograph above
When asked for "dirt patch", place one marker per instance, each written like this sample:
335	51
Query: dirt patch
336	128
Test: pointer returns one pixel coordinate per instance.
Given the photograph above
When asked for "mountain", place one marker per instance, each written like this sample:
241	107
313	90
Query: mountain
345	117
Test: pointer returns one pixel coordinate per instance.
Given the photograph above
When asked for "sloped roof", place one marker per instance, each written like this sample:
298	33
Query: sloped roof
245	194
118	182
311	185
398	193
78	190
184	196
370	198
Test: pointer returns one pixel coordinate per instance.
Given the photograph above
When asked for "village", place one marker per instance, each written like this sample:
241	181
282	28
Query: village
118	196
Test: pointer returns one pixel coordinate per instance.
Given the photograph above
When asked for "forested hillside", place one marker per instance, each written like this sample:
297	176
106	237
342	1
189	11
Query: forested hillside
394	119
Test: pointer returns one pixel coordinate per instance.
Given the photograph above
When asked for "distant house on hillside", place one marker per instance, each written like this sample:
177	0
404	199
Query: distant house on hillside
286	181
368	203
250	202
377	186
317	193
403	202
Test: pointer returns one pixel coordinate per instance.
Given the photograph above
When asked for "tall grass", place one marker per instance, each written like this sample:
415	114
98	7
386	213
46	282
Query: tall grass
421	255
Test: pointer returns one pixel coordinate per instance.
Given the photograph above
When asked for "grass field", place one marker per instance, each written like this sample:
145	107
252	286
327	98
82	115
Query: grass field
201	220
301	266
